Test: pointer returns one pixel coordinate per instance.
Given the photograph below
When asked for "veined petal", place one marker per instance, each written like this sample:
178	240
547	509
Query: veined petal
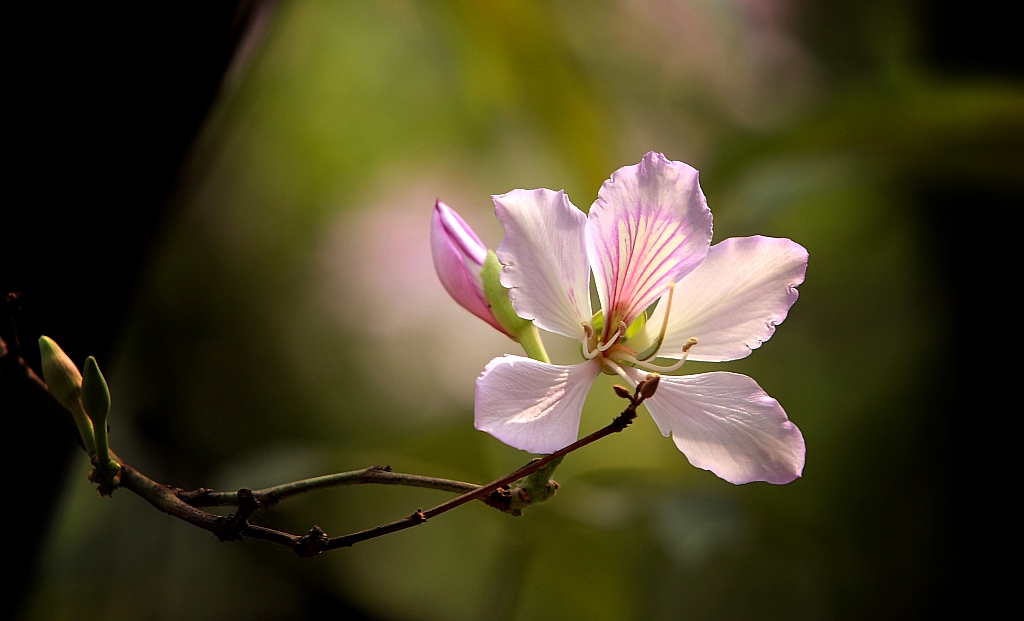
545	259
649	227
725	423
458	260
531	405
732	302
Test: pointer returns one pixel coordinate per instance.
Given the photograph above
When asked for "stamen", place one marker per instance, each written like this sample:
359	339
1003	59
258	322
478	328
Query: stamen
614	367
615	337
647	366
588	331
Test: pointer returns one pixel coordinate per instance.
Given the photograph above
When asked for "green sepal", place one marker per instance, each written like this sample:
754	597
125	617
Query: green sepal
65	383
519	329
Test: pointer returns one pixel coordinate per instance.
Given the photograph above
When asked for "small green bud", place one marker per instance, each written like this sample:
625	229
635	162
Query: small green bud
534	488
60	373
65	384
95	395
96	401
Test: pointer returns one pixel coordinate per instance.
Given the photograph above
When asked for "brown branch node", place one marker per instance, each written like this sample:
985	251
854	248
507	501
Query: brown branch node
231	527
623	420
312	543
193	497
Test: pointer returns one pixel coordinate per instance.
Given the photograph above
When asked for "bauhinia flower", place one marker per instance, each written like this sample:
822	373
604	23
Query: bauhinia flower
647	239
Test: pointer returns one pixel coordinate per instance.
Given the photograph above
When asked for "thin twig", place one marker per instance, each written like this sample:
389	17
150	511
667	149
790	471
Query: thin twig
270	496
186	505
621	422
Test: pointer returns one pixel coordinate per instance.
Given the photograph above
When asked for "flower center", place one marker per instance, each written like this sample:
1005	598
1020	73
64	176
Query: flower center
594	347
613	353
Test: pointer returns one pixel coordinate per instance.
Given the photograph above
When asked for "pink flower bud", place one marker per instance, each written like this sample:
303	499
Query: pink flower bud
459	257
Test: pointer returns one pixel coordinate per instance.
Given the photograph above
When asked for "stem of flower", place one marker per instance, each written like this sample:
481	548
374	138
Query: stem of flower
532	345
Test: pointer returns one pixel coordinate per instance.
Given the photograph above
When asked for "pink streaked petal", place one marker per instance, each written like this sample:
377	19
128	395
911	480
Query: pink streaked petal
455	250
545	259
649	227
725	423
732	302
460	233
531	405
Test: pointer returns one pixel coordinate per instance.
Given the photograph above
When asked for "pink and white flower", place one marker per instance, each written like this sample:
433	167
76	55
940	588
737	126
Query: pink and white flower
647	239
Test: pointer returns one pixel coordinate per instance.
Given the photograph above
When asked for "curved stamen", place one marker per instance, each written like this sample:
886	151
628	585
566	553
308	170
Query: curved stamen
588	353
647	366
603	347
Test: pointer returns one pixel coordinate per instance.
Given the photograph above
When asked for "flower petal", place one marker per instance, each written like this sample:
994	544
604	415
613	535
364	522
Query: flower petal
725	423
545	259
732	302
649	227
531	405
458	260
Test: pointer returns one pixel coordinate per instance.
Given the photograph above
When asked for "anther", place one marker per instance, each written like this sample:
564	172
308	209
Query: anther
615	337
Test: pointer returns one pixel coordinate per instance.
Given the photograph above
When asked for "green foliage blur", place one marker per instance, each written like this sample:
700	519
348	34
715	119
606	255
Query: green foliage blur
291	324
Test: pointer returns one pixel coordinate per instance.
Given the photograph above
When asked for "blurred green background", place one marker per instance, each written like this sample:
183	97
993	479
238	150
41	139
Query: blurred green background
291	324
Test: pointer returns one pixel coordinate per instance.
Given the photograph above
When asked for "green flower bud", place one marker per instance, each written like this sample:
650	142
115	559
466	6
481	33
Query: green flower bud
60	373
95	395
96	401
65	383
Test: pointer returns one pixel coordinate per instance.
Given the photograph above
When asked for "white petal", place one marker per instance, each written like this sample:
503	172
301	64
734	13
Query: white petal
732	302
531	405
545	259
649	227
725	423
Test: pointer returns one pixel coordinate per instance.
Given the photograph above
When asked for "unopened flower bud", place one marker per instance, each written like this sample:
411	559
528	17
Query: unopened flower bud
96	401
622	391
95	394
459	258
647	387
65	384
61	375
